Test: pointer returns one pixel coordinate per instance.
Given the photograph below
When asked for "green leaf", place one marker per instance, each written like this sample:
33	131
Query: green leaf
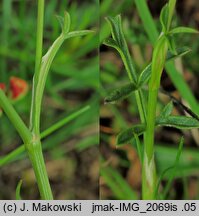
18	189
128	134
164	17
47	59
171	43
65	22
120	93
119	43
146	73
167	110
112	43
158	62
78	33
171	7
180	122
183	30
116	30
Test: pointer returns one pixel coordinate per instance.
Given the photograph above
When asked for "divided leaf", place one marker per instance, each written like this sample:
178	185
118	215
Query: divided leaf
65	22
120	93
128	134
183	30
116	30
119	43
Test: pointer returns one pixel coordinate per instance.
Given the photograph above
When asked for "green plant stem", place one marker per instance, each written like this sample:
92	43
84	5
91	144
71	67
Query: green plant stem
14	118
149	170
34	120
150	128
39	40
33	146
175	76
141	105
15	153
39	84
37	160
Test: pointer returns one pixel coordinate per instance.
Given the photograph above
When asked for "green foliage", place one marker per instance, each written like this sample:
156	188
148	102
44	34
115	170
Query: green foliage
146	73
119	43
179	122
167	110
151	73
117	184
20	56
179	30
164	17
18	190
120	93
127	135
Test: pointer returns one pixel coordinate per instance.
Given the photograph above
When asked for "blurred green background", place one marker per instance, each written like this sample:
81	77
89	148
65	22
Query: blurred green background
120	167
71	153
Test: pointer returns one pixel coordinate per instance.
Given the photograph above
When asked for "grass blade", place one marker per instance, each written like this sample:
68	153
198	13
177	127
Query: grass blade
18	190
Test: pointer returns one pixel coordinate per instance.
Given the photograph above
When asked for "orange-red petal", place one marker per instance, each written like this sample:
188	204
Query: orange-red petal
18	87
2	86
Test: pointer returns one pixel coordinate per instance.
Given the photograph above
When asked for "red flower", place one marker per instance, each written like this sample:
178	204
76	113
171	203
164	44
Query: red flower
2	86
18	88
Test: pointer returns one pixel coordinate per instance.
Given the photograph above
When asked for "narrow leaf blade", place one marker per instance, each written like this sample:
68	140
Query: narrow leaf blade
120	44
164	17
179	122
78	33
18	190
127	135
111	43
167	110
183	30
120	93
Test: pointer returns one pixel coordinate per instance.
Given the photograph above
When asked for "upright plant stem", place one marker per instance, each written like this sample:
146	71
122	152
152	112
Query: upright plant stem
34	119
39	40
34	147
149	135
36	157
14	118
18	151
175	76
